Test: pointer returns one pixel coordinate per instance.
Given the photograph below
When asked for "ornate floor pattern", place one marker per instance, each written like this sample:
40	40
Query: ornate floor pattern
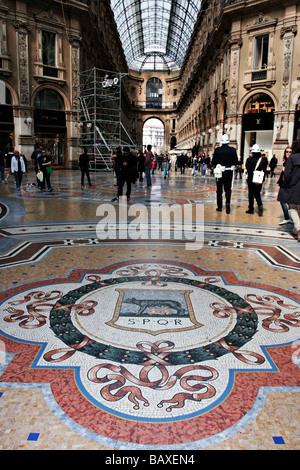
125	344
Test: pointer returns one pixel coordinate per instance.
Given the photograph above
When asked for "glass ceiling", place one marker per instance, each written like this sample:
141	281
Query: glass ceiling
155	33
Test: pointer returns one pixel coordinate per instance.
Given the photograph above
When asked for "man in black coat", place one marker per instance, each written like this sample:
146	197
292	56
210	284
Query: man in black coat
84	167
225	156
128	172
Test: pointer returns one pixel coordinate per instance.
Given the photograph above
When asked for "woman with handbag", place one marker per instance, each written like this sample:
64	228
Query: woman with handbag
256	166
44	165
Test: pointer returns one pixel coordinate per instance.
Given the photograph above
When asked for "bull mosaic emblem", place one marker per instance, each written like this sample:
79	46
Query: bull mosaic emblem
154	311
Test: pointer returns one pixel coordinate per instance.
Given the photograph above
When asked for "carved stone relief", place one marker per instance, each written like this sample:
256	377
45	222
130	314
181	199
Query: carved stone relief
233	80
75	77
23	67
288	42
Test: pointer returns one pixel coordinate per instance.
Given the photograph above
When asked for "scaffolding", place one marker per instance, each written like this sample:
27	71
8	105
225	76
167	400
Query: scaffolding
100	127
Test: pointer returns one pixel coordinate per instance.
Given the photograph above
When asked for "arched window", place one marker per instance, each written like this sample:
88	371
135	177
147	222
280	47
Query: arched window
49	99
5	95
154	93
49	113
259	103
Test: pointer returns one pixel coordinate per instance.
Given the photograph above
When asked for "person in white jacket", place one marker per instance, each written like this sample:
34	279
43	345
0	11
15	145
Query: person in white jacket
18	168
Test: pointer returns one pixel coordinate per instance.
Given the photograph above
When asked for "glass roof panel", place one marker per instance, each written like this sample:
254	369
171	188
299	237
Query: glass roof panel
155	33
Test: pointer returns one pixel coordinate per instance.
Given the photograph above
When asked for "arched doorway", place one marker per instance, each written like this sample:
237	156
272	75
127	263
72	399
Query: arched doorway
6	119
50	123
258	124
173	142
154	134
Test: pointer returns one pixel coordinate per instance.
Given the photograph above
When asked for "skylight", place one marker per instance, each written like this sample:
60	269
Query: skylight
155	33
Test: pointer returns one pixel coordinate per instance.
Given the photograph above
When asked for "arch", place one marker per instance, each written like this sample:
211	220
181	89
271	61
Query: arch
50	125
48	98
13	94
62	95
154	134
154	117
258	109
251	93
154	93
259	102
173	142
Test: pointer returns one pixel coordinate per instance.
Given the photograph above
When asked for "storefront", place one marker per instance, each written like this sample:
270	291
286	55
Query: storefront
50	124
258	125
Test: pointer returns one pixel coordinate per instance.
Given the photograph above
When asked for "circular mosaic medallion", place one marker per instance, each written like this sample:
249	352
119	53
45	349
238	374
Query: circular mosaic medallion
154	311
151	341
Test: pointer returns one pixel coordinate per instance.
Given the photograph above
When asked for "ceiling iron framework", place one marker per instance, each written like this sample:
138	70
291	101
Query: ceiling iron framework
155	33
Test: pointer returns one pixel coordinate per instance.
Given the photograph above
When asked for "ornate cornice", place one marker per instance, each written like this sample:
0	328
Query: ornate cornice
289	29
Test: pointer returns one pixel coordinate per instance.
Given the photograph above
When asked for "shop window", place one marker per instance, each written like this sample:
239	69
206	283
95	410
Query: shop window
49	99
154	93
259	103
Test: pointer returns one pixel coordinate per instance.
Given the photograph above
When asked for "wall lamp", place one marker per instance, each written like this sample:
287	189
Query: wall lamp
28	121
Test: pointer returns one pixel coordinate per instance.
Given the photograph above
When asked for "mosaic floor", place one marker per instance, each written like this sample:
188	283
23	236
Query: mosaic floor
121	334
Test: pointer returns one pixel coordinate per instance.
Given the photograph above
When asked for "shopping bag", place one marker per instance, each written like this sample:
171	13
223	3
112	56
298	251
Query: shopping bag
40	175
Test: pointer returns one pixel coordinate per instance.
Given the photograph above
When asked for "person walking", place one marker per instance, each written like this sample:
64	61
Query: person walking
128	165
226	158
18	168
194	165
141	165
165	168
287	219
149	157
84	162
117	162
34	158
273	165
203	164
44	165
290	190
256	162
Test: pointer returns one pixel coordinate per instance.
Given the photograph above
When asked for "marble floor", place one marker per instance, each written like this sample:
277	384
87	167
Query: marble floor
130	326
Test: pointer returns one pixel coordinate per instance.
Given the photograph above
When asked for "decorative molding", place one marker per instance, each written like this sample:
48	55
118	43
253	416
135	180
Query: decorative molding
289	29
48	17
22	25
262	21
